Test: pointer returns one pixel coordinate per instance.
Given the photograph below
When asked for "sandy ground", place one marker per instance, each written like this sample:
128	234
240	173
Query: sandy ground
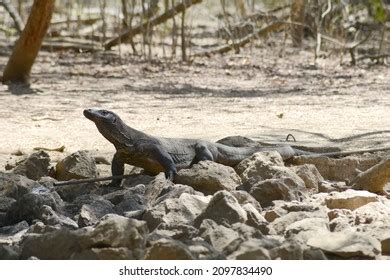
258	95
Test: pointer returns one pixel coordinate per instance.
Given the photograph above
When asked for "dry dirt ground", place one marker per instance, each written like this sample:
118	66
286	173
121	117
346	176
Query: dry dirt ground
257	94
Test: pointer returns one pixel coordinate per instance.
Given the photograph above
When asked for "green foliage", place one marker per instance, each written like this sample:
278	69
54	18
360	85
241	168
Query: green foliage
377	10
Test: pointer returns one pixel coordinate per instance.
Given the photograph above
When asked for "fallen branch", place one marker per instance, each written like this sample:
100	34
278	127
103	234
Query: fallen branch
374	57
276	26
129	34
91	180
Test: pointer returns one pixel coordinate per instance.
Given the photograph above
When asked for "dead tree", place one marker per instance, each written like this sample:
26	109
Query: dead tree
13	13
27	47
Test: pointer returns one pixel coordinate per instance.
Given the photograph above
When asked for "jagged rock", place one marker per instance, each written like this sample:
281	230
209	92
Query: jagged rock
168	249
154	188
281	224
180	232
290	250
244	197
342	169
104	254
71	192
347	244
5	203
50	217
372	212
34	167
255	219
40	227
117	231
9	252
57	245
262	164
113	231
175	191
341	220
220	237
304	229
375	178
349	199
328	187
209	177
13	229
276	189
251	249
274	213
79	165
265	165
171	211
29	206
310	175
15	186
223	208
201	250
133	202
91	213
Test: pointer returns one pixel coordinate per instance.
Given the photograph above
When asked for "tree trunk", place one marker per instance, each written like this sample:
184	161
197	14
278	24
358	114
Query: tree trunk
27	47
297	16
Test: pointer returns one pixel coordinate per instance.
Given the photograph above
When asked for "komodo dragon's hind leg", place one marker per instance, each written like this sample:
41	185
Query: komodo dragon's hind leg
160	155
201	153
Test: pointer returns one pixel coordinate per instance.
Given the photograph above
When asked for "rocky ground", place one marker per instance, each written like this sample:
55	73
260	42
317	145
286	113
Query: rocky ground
309	208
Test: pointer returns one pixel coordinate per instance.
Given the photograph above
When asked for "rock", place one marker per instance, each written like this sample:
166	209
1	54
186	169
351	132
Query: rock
290	250
349	199
265	165
180	232
251	249
260	165
244	197
341	220
13	229
372	212
91	213
79	165
117	231
57	245
50	217
15	186
71	192
385	244
167	249
255	219
5	203
9	252
310	175
375	178
133	202
305	229
182	210
201	250
154	188
175	191
209	177
328	187
30	206
223	208
220	237
104	254
342	169
274	213
34	167
347	245
277	189
280	224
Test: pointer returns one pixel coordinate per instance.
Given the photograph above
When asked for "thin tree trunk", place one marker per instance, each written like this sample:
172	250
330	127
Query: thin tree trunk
297	15
15	15
27	47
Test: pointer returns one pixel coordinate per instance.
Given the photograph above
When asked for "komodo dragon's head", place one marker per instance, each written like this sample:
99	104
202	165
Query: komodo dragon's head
109	124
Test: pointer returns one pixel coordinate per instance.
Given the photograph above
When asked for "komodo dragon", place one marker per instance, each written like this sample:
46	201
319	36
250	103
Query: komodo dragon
158	154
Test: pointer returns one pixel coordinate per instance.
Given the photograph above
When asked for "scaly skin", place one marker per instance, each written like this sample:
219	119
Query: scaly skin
158	154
